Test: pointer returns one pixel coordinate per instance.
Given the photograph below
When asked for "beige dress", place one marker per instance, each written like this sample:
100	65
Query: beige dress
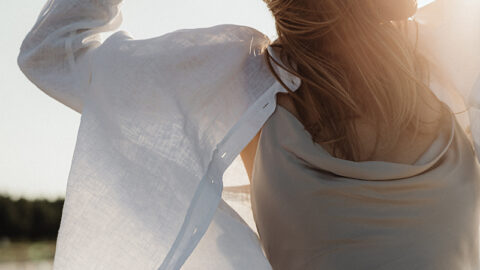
315	211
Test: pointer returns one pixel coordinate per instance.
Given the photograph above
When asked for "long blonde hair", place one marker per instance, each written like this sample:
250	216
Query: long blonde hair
355	60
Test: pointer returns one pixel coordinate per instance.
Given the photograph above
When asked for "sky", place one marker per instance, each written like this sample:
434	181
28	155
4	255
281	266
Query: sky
37	134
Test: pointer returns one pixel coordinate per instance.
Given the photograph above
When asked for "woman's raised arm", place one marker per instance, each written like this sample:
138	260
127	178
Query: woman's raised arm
55	53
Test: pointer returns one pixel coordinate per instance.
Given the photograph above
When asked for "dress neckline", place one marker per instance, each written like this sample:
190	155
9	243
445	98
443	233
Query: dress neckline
295	139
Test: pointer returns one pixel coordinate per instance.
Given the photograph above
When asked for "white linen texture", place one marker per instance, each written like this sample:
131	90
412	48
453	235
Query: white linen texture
163	118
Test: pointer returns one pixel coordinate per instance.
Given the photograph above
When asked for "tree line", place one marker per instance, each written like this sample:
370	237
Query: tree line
29	220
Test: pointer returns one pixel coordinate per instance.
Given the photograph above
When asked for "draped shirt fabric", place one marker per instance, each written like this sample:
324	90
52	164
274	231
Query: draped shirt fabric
162	119
315	211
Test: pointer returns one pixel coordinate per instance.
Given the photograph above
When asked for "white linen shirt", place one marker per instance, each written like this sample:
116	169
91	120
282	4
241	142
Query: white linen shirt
163	118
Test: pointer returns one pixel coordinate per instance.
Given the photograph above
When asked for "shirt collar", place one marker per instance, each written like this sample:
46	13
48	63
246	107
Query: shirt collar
290	80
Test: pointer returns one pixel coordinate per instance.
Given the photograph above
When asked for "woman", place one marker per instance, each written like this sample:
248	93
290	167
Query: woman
163	118
364	98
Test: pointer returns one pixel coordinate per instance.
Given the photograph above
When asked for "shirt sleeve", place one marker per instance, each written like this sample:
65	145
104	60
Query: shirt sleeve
449	37
55	53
